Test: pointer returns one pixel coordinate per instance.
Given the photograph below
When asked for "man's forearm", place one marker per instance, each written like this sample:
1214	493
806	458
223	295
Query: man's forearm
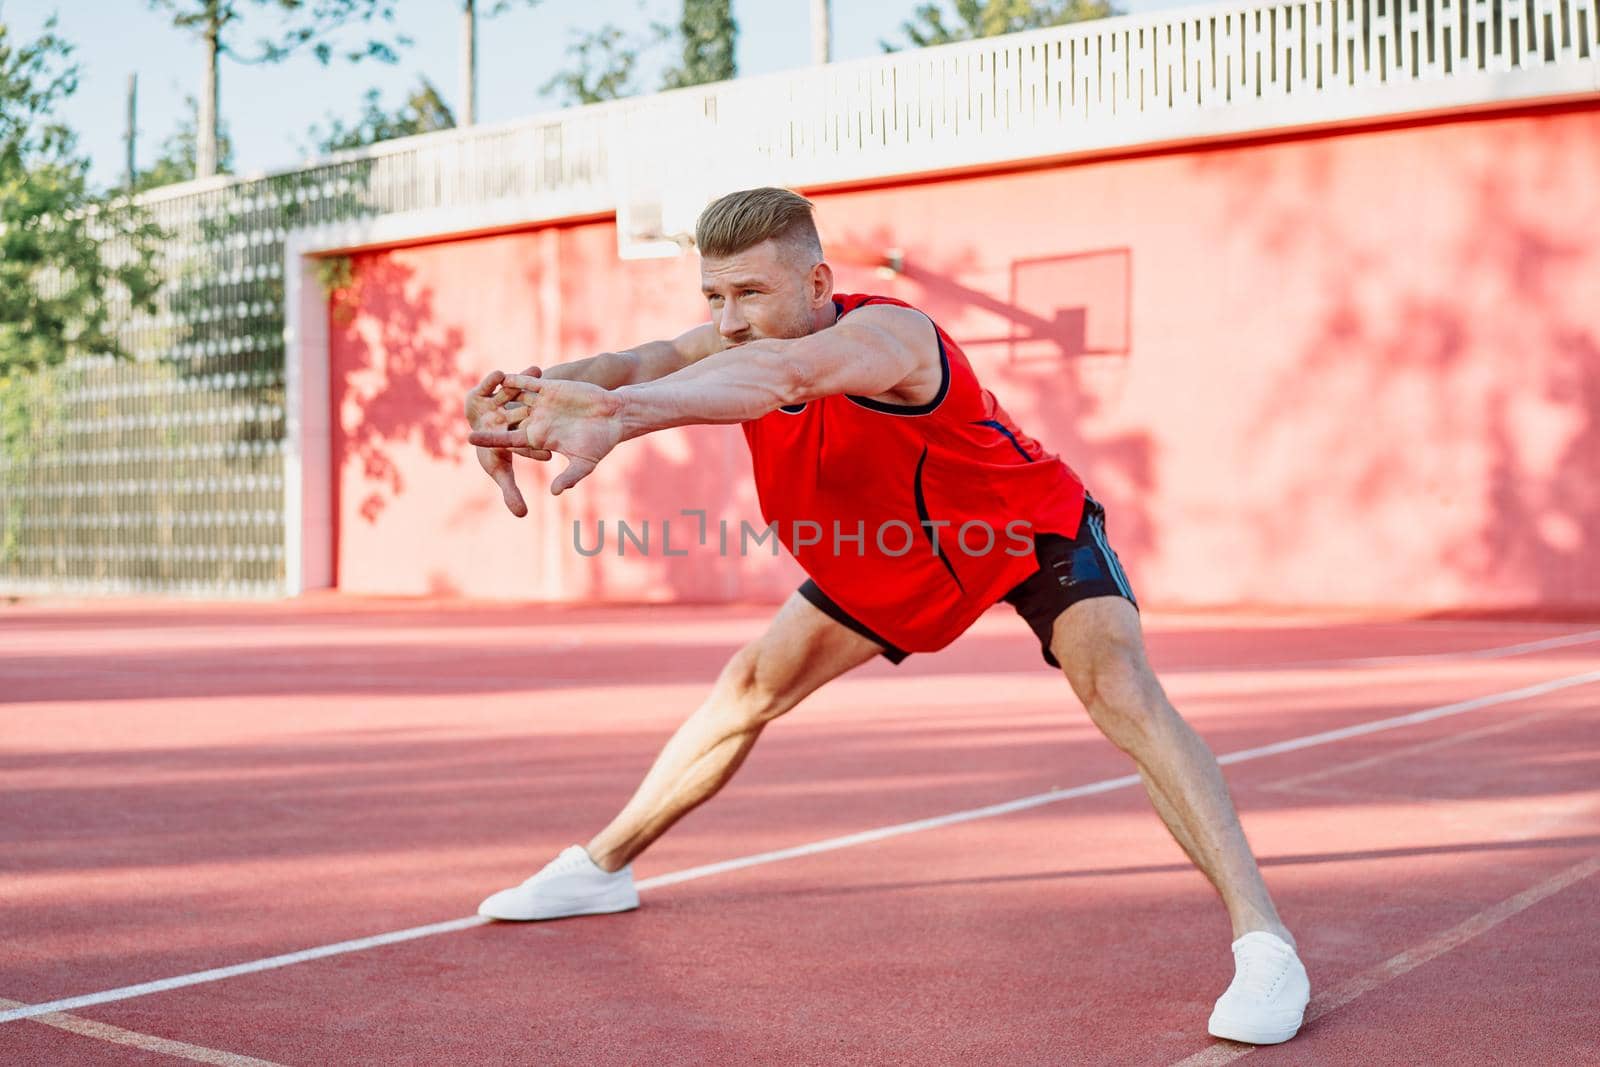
608	370
612	370
733	386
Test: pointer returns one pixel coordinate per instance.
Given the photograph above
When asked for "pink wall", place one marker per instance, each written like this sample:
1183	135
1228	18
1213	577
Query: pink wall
415	515
1358	369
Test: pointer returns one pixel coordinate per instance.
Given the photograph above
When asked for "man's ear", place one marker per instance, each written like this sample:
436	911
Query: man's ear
821	285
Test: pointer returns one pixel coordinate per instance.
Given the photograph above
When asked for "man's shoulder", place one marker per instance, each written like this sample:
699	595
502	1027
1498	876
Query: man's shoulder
884	311
849	302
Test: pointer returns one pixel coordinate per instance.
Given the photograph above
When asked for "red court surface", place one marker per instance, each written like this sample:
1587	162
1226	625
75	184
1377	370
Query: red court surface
195	786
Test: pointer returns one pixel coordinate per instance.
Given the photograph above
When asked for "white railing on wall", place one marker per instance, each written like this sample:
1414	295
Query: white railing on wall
1184	74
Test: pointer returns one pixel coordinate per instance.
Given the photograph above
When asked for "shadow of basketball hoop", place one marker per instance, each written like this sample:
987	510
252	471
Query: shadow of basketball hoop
1063	307
1071	306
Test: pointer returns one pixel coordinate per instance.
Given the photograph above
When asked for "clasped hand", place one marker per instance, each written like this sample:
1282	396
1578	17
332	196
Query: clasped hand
535	417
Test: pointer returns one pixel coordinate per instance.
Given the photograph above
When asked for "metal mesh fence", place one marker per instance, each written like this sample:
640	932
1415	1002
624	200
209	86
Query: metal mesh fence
164	473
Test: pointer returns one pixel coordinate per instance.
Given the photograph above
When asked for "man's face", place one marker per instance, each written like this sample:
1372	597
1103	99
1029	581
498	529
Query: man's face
769	290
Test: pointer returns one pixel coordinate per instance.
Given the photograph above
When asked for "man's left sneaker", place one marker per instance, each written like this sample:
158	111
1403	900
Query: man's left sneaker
569	885
1267	1000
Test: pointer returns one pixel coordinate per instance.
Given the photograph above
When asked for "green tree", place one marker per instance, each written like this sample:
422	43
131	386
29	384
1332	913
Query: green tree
57	287
603	65
423	111
306	25
991	18
176	163
709	35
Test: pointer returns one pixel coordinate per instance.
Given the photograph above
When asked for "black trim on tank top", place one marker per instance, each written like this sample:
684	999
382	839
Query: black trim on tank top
906	409
996	424
793	409
927	523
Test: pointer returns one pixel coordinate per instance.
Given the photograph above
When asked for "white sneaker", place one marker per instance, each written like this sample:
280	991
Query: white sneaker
570	884
1267	1000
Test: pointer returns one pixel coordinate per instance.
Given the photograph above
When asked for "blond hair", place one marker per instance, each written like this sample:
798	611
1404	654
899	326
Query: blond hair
744	219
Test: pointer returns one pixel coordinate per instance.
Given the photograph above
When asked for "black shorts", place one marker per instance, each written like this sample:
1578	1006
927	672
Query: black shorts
1070	569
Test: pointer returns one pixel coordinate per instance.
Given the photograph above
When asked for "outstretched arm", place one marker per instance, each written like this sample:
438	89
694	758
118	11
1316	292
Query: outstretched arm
873	351
641	363
877	350
489	407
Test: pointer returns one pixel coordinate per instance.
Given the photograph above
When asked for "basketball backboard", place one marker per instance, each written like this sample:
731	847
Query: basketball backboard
669	161
661	174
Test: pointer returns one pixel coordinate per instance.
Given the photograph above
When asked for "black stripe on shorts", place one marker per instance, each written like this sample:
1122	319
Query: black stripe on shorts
1081	567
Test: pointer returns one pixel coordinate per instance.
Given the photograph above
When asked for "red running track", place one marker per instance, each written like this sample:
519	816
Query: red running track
188	787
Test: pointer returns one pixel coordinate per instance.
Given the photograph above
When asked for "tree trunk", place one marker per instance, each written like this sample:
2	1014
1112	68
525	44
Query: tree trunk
469	65
205	154
133	128
821	33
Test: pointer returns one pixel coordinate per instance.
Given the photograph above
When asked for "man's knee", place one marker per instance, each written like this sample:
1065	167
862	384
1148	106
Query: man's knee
1123	698
800	651
1103	658
748	690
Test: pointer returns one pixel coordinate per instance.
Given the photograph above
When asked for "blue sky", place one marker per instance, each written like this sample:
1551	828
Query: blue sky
269	109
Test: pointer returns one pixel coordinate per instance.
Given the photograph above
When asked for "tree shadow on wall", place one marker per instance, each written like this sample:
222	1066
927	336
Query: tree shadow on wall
400	381
1478	366
1054	346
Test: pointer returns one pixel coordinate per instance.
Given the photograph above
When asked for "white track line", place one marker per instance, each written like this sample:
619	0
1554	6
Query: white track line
116	1035
1525	648
829	845
1426	715
218	973
1297	782
1413	957
1564	641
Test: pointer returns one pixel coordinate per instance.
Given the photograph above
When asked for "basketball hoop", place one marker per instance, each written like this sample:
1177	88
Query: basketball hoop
660	174
669	161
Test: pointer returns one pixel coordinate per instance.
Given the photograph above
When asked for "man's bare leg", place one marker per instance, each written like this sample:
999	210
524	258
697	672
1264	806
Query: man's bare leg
802	650
1101	649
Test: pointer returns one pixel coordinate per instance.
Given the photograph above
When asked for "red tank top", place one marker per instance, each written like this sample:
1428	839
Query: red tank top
945	496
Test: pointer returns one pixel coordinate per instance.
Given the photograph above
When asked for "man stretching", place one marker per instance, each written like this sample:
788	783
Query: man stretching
913	503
